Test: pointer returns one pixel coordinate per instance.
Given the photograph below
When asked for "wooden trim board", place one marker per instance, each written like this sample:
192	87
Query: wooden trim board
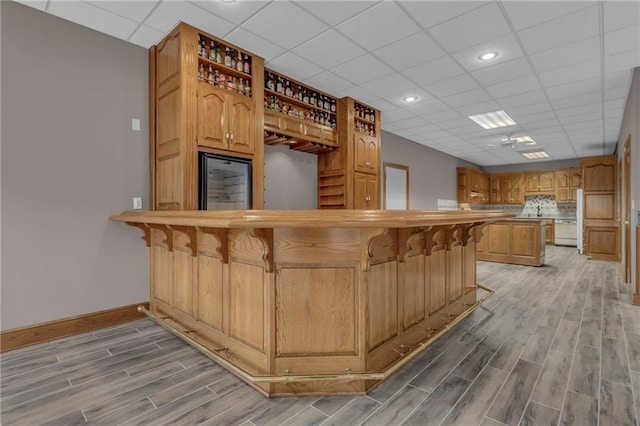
44	332
636	296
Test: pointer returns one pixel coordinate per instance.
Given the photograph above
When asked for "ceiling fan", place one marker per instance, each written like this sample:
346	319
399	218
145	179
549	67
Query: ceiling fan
514	142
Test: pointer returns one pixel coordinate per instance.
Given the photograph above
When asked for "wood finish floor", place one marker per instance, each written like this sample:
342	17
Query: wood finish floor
555	345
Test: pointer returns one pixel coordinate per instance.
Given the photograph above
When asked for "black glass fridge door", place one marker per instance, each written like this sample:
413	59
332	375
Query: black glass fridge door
225	183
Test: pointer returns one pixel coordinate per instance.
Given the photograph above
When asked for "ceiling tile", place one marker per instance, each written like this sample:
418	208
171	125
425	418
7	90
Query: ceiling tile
236	12
427	107
94	17
335	12
620	14
430	13
616	93
294	66
168	14
479	25
622	61
617	79
582	109
528	13
397	115
445	115
507	48
356	92
479	108
534	118
284	24
254	43
569	54
409	123
146	37
427	128
566	29
454	85
408	52
328	82
362	69
436	70
513	87
532	97
36	4
389	85
622	40
581	71
575	88
526	110
329	49
570	101
470	97
366	29
582	118
383	105
614	103
506	71
134	10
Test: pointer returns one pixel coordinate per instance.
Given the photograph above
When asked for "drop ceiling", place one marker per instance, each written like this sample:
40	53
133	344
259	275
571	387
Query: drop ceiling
562	74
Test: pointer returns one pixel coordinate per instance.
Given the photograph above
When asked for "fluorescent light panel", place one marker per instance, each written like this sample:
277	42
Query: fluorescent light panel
535	155
493	120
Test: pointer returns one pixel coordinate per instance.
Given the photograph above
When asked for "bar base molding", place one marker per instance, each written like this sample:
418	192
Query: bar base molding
65	327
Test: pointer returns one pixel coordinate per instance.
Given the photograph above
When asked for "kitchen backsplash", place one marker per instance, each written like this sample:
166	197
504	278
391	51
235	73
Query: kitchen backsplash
547	204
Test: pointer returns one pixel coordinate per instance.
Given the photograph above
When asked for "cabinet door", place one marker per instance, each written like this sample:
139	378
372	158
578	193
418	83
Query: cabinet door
599	177
575	182
532	183
241	124
546	181
211	117
562	186
496	193
365	192
463	187
366	154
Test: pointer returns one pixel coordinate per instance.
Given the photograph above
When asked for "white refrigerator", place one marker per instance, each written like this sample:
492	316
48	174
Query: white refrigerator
579	220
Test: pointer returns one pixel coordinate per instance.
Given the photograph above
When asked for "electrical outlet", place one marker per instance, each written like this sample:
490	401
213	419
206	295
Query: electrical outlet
137	203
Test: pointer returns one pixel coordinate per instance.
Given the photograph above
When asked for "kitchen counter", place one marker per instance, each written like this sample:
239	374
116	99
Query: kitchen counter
311	302
520	241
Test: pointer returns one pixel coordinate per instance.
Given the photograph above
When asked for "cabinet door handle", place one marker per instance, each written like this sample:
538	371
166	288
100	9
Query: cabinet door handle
368	163
231	136
226	136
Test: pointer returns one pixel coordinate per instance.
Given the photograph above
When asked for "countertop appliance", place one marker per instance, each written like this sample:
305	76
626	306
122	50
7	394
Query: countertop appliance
566	232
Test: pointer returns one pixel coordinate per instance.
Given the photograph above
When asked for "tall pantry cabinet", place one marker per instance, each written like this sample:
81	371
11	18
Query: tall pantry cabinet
189	115
349	177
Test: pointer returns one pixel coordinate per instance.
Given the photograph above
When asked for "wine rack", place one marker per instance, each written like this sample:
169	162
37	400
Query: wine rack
364	119
298	115
218	66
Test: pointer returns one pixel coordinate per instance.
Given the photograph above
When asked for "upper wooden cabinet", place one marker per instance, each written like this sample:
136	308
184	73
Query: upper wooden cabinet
598	173
567	182
539	182
205	95
223	118
366	153
473	186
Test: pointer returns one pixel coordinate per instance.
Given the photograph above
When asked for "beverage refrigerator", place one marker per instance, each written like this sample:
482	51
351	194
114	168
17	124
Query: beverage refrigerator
224	182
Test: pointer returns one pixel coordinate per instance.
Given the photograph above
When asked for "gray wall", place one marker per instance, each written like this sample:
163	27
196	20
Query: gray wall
432	174
290	179
69	160
533	166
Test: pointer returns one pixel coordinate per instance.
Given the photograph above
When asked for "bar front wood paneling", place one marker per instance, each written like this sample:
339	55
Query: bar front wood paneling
329	299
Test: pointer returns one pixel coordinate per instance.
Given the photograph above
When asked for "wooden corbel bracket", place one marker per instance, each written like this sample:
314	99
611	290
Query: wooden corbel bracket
192	233
265	236
222	235
168	234
145	230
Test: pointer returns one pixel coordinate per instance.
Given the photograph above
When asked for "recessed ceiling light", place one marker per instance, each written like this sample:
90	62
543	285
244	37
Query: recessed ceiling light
525	140
410	98
487	56
535	155
493	120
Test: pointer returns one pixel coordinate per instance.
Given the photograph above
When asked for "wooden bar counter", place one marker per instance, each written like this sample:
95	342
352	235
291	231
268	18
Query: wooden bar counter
517	241
311	302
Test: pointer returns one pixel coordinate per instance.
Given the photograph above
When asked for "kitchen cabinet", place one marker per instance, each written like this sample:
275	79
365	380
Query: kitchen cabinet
191	113
567	182
549	231
472	186
511	189
496	194
539	182
600	216
349	177
222	120
517	241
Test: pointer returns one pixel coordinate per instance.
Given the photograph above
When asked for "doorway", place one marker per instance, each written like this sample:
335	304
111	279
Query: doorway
626	191
396	186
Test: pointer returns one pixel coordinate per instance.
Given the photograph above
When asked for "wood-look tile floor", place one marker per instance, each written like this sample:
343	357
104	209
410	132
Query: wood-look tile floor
555	345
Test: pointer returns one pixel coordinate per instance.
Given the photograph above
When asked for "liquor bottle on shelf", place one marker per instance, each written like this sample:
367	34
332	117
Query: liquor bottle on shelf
287	89
212	51
269	83
312	99
233	59
216	78
210	75
239	64
231	84
298	94
201	72
240	87
201	50
333	105
280	86
305	96
247	88
246	67
222	81
218	54
227	57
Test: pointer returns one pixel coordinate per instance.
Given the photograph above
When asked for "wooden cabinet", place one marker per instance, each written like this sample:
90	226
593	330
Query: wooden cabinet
549	231
539	182
223	118
513	241
349	177
495	196
567	182
472	186
601	224
366	191
191	111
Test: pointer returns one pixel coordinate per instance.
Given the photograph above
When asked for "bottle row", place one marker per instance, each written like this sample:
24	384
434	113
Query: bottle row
364	113
299	93
230	58
319	117
366	128
217	79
